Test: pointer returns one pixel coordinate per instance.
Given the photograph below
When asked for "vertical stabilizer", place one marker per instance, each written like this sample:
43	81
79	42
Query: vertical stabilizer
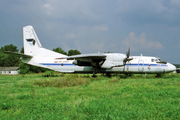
30	40
32	45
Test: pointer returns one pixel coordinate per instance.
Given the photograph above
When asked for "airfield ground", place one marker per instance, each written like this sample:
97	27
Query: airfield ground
71	96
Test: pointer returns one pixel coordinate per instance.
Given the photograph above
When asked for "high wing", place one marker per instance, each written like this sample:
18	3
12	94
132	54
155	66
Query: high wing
84	56
18	54
95	60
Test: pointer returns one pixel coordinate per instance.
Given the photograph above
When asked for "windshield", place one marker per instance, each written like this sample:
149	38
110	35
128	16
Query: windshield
156	60
160	60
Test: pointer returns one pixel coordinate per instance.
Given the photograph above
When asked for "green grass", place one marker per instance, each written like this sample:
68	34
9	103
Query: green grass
77	96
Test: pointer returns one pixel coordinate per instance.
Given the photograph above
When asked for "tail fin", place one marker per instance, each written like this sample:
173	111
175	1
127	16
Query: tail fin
32	45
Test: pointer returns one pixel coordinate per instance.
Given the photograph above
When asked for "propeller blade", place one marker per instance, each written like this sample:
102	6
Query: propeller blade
128	53
127	57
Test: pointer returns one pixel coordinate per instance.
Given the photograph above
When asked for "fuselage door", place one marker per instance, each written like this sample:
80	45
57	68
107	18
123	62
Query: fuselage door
141	65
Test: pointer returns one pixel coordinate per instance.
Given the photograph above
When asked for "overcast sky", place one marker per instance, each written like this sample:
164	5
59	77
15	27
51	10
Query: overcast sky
148	27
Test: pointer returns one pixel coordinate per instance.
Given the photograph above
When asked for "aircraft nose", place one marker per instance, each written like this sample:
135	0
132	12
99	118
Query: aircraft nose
171	67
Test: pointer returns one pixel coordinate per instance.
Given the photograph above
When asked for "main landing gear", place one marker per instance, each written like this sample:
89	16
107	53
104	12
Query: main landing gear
108	75
94	72
158	75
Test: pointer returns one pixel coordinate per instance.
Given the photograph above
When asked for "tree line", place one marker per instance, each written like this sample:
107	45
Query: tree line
11	61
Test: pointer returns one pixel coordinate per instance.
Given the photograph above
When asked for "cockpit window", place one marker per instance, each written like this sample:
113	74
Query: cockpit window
160	60
156	60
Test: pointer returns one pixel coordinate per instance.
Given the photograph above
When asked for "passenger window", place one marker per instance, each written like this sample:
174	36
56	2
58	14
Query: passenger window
152	60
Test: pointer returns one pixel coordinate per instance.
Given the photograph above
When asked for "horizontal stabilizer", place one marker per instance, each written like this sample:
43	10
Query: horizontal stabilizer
18	54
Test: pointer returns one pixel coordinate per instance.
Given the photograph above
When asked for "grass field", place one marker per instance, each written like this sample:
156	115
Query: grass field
75	96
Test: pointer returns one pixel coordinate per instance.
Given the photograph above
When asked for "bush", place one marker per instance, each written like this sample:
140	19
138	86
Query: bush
49	74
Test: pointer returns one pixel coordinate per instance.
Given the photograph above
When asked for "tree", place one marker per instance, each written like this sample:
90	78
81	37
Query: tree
73	52
108	52
22	50
8	60
26	68
23	68
59	50
10	47
2	59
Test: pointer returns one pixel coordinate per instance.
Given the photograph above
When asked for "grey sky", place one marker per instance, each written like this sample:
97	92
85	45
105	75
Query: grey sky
148	27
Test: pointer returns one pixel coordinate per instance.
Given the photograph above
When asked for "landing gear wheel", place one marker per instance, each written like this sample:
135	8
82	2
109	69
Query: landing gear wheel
158	75
94	72
94	76
108	75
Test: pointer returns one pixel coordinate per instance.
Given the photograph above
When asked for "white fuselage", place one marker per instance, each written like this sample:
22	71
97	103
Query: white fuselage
35	54
139	64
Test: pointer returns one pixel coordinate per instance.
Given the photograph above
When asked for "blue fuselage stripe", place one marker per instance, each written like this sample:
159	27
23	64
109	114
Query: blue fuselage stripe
69	64
145	65
56	64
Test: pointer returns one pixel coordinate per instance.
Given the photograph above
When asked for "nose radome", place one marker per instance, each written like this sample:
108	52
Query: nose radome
171	67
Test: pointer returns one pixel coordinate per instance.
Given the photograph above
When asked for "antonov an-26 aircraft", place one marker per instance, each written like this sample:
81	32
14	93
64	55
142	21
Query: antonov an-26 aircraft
35	54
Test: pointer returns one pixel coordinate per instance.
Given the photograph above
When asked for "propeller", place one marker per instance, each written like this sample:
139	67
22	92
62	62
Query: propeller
127	57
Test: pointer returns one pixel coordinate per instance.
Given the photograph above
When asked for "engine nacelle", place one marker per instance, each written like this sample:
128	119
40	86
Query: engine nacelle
113	60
